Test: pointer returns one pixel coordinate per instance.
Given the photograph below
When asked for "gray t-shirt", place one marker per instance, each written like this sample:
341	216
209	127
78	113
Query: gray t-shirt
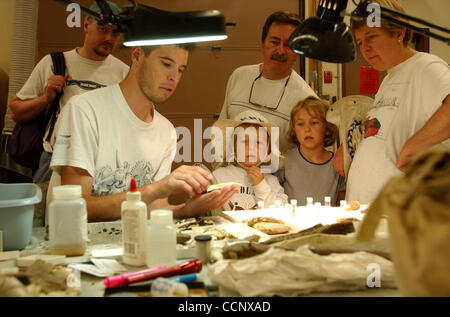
301	178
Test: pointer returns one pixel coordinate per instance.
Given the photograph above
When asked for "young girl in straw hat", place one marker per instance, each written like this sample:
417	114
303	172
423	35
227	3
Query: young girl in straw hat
246	150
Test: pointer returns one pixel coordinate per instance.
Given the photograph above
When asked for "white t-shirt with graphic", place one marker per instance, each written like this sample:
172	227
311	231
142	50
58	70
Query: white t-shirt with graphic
267	93
84	75
100	134
268	190
407	98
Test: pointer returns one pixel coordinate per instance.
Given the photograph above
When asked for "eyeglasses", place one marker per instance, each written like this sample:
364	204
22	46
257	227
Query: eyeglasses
279	101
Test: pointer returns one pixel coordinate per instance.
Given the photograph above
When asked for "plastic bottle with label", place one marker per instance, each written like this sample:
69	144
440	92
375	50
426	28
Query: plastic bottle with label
162	239
67	221
134	227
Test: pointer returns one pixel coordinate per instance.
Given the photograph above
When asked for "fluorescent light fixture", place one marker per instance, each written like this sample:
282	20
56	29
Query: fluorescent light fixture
151	26
143	25
327	38
175	40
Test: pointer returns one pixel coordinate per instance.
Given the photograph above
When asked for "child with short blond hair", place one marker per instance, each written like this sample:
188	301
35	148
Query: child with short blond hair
308	170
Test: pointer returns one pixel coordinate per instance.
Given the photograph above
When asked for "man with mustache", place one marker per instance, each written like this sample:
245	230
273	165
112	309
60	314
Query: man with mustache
115	133
88	67
272	87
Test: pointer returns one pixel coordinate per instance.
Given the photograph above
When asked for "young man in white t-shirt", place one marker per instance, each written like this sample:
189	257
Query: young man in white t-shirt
88	67
112	134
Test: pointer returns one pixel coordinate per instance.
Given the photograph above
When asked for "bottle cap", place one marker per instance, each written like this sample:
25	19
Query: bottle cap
161	216
203	238
67	192
133	194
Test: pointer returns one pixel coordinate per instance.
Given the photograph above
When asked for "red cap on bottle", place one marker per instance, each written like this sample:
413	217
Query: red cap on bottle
133	187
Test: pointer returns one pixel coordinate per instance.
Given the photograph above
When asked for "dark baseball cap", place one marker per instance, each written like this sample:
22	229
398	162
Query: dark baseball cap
94	7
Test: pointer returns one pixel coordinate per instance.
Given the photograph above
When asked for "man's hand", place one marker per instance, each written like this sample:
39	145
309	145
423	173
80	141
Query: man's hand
255	174
200	204
55	84
193	180
338	161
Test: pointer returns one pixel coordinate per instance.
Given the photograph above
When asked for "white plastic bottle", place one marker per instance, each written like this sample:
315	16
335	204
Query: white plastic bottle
162	239
67	221
134	227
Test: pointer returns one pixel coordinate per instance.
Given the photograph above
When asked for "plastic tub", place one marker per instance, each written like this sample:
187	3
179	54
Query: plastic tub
16	213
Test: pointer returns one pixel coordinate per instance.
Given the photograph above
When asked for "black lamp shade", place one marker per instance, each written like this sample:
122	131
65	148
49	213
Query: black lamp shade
324	41
151	26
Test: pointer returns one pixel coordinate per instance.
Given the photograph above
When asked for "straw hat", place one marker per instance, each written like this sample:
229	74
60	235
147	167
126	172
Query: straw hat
227	127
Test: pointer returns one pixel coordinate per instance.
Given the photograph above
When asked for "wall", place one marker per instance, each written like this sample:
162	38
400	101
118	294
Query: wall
436	12
7	18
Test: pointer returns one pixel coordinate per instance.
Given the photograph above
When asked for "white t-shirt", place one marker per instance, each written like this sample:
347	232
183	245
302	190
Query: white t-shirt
268	190
407	98
100	134
265	92
84	75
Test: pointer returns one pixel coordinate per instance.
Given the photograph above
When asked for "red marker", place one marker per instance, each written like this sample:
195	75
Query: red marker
192	266
119	280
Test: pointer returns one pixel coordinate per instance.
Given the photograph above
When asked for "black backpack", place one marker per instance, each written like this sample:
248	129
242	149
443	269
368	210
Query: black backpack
25	144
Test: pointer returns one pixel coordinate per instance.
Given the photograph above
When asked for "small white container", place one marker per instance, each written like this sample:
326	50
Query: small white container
67	221
203	248
294	206
162	239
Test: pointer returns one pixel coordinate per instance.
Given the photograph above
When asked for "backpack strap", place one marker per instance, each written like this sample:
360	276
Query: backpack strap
59	68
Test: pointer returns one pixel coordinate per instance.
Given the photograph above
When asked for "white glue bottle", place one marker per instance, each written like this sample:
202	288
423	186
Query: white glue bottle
134	227
162	239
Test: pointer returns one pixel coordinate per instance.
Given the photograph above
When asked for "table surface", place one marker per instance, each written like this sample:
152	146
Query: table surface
102	236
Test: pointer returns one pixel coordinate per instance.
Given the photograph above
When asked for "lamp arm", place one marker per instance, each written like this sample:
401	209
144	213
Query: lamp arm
406	16
417	29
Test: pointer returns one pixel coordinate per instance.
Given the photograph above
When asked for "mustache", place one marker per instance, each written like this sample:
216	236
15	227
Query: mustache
107	44
279	57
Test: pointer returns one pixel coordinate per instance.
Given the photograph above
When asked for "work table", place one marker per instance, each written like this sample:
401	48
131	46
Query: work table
107	236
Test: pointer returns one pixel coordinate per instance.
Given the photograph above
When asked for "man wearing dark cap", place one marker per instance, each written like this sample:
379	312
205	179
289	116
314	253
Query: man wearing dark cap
88	67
